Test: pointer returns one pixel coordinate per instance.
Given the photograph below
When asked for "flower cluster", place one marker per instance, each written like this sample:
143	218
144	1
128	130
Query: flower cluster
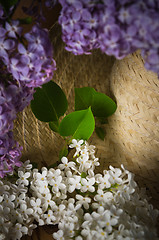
26	62
13	98
116	27
85	205
28	56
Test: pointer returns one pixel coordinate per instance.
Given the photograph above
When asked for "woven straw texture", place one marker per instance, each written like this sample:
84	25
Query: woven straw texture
132	135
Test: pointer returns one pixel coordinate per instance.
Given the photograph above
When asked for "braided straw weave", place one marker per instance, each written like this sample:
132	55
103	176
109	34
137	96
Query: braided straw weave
132	135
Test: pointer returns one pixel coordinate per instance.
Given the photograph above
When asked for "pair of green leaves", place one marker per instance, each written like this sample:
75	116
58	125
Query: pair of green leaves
50	104
102	106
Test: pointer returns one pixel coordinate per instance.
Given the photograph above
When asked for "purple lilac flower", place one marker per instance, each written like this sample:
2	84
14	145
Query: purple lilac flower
7	111
117	27
50	3
33	64
6	143
26	62
79	26
10	153
21	96
10	160
28	57
13	29
13	98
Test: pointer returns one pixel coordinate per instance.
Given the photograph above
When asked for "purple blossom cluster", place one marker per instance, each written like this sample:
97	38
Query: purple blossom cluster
13	98
117	27
28	57
26	62
10	153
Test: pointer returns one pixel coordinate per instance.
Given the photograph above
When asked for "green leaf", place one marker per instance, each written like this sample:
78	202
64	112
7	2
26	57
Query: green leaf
83	175
49	102
26	20
101	104
78	124
7	4
54	126
54	165
100	132
83	98
34	164
63	152
103	120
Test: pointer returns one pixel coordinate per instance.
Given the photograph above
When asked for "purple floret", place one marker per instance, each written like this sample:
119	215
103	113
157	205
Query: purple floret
10	153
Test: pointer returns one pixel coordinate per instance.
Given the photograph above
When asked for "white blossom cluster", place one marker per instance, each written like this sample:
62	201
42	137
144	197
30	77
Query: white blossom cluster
85	205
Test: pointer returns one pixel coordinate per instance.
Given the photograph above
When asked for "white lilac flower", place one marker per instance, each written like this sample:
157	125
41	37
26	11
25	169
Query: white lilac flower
100	234
95	163
87	185
58	197
49	217
90	148
20	199
26	166
71	232
59	211
115	211
18	189
57	185
43	188
40	177
72	209
47	201
5	226
127	191
2	236
104	181
25	210
3	188
36	204
19	231
84	163
16	216
66	164
1	198
52	175
84	153
79	238
74	183
8	201
59	235
31	227
107	221
23	178
103	196
76	144
83	201
86	232
115	175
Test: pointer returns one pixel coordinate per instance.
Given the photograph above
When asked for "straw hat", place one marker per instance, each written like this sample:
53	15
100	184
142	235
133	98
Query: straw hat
132	135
